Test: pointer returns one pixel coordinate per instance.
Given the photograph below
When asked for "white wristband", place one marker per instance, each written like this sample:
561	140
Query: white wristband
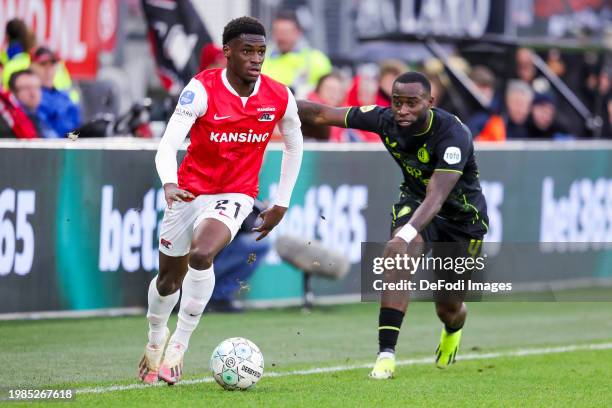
407	233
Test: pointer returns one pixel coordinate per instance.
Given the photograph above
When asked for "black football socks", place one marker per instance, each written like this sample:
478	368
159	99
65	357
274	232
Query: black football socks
389	324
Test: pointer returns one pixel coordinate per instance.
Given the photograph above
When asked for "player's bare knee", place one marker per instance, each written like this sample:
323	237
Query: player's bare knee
201	258
167	286
447	311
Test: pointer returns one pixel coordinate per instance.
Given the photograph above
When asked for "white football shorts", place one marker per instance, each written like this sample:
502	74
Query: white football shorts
179	222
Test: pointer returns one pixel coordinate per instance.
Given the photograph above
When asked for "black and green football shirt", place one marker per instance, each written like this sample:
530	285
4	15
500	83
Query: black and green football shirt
445	145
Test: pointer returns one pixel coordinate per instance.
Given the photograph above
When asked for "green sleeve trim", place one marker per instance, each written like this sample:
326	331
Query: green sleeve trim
346	117
449	171
476	212
485	225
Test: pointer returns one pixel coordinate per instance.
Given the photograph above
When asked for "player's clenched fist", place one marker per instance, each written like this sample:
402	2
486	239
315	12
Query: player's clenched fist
173	193
271	217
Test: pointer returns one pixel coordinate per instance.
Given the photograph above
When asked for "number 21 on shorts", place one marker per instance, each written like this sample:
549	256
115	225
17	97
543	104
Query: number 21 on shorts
222	206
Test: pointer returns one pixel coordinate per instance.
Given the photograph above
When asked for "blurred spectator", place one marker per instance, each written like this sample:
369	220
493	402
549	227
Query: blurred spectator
544	123
590	78
371	86
14	123
329	91
484	79
26	88
21	41
485	82
494	130
363	91
555	62
527	72
444	93
364	87
519	97
290	59
605	78
56	107
596	86
525	69
559	63
212	56
389	70
512	124
604	90
16	55
607	127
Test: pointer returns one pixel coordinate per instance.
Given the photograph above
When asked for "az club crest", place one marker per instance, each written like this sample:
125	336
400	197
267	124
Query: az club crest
266	117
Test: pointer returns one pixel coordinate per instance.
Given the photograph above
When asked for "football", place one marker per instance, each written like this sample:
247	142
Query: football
237	364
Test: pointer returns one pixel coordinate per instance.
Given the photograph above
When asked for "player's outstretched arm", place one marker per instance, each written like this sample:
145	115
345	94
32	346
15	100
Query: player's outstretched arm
439	187
293	149
313	113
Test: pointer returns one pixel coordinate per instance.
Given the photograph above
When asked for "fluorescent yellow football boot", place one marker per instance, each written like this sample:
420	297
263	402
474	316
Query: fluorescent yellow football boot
447	349
384	367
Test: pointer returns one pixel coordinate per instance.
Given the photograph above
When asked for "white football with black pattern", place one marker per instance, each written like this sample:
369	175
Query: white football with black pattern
237	364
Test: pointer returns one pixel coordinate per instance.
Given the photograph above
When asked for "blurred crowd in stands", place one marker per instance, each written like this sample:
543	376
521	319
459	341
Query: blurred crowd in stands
523	104
38	99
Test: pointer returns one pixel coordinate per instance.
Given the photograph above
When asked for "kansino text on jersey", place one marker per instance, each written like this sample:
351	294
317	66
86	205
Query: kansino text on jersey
221	137
424	284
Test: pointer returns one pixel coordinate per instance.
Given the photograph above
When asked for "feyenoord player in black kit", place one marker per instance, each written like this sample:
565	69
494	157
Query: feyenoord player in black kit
440	198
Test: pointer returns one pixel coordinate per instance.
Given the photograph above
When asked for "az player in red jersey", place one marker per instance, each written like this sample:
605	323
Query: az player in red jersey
230	114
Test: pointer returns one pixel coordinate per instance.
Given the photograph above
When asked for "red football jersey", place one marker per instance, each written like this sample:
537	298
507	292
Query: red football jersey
229	140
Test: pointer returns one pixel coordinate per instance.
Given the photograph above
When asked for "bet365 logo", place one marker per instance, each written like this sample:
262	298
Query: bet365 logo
16	232
332	215
579	219
129	241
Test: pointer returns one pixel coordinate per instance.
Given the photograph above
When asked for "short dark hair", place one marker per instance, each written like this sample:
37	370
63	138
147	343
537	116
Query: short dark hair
415	77
12	83
16	30
242	25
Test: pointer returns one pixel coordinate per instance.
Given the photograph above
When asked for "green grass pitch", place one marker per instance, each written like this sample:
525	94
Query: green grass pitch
319	358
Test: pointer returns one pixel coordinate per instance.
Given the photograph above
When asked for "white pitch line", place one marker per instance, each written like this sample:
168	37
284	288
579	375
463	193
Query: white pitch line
416	361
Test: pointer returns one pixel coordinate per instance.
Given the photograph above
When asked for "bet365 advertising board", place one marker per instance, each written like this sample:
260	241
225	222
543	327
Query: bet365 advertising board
79	227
